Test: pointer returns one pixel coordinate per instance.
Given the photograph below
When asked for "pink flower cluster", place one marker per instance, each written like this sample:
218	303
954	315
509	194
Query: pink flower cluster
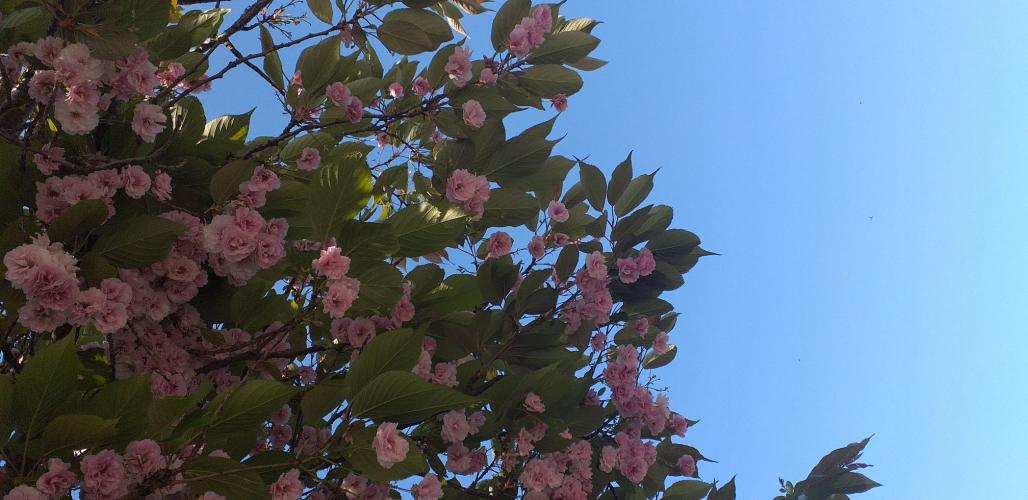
441	373
531	31
56	194
565	475
342	290
254	190
341	96
241	242
105	475
631	268
468	191
463	461
428	489
457	425
631	455
595	301
499	245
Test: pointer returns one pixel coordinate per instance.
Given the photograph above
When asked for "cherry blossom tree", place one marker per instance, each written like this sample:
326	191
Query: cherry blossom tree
395	294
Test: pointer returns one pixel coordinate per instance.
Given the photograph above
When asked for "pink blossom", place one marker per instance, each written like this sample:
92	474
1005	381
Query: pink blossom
51	287
537	247
161	188
403	311
354	110
297	79
172	74
455	426
543	16
557	211
210	495
57	480
458	66
382	139
47	49
500	244
487	77
645	262
608	458
43	86
421	87
445	374
47	161
642	326
135	180
596	265
74	65
474	115
679	425
534	403
340	296
395	90
280	435
143	458
148	121
660	345
687	465
561	239
288	485
310	159
628	271
24	492
559	103
520	41
461	186
103	475
332	263
281	415
339	94
75	119
598	341
428	489
390	447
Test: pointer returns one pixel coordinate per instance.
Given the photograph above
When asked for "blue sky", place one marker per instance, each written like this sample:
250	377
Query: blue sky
860	166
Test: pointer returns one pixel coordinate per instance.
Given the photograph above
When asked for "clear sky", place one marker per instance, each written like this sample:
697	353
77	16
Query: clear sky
861	167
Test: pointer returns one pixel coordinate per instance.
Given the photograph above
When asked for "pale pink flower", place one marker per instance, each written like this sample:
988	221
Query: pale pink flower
500	244
161	188
645	262
382	139
332	263
297	79
288	485
598	341
543	16
43	86
537	247
172	74
487	77
445	374
628	271
354	110
660	343
561	239
534	403
143	458
339	94
679	425
340	296
47	49
310	159
687	465
520	41
24	492
395	90
75	119
57	480
135	180
428	489
421	87
281	415
458	66
608	458
596	265
210	495
474	115
559	102
103	474
148	121
390	447
557	211
455	427
47	161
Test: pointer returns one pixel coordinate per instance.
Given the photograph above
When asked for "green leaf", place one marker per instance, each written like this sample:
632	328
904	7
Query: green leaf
138	241
272	62
81	218
403	397
674	246
46	381
250	404
380	286
340	189
361	454
654	360
423	229
594	183
687	490
66	433
588	64
508	16
634	194
225	477
567	261
226	180
366	240
224	135
726	492
393	350
317	64
565	47
510	207
496	277
322	9
126	401
521	156
619	180
548	80
413	31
